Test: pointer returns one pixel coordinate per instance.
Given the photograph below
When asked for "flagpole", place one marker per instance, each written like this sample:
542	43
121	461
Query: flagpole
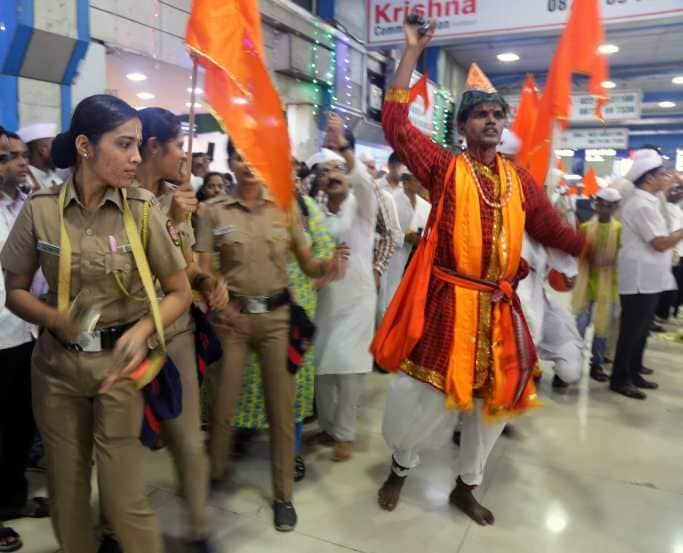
193	98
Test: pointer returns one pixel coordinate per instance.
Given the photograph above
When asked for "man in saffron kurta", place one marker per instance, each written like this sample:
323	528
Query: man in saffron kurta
471	341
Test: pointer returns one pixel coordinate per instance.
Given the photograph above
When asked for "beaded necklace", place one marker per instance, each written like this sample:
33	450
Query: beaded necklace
508	189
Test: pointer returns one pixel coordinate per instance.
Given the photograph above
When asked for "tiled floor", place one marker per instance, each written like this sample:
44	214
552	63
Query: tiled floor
592	472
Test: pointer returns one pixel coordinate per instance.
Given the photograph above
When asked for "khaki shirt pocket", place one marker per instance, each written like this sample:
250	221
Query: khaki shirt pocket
121	269
279	243
232	248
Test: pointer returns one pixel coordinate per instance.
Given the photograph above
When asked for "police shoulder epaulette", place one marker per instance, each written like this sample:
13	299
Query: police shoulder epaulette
217	200
48	191
141	194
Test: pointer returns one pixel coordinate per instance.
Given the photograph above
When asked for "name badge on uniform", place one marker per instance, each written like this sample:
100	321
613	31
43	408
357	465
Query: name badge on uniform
46	247
222	231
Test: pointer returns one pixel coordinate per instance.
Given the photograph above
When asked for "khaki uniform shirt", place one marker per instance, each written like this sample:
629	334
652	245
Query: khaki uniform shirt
184	229
252	244
100	246
186	239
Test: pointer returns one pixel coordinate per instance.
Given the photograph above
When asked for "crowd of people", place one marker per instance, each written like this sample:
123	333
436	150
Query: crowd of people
134	277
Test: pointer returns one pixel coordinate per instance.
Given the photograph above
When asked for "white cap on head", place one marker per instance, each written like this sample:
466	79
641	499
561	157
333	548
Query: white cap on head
37	131
323	156
644	161
609	195
366	156
509	143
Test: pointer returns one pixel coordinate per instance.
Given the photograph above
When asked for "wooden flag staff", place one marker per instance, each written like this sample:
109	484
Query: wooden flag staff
193	98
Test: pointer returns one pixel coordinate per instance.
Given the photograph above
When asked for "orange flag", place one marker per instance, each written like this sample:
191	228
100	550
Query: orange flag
590	183
577	52
420	89
225	35
525	119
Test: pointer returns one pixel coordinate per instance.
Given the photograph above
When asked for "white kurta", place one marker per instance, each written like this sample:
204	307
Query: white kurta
345	317
552	327
411	219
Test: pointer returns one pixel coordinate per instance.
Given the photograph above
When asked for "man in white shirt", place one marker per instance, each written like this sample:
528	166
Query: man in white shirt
345	317
673	215
413	213
17	426
392	179
644	268
42	171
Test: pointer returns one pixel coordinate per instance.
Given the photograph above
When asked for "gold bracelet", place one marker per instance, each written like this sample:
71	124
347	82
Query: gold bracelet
398	95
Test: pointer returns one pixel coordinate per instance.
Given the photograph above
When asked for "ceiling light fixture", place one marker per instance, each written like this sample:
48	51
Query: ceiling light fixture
667	104
189	104
136	77
508	57
197	90
677	80
608	84
608	49
146	96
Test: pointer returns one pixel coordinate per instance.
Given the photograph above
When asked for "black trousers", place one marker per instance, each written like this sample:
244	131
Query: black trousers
637	314
678	274
17	426
667	301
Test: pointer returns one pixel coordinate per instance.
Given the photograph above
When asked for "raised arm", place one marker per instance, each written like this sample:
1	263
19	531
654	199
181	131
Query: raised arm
427	161
543	222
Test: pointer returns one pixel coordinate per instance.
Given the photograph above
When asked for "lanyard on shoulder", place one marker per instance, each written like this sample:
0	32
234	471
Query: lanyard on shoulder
64	278
143	268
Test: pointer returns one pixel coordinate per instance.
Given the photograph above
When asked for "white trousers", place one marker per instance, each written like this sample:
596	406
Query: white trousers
561	342
416	418
337	397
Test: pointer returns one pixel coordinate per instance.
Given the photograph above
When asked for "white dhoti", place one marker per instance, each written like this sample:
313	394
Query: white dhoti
561	342
416	418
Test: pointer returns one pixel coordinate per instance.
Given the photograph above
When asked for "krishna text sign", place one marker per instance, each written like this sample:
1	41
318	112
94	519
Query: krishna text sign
456	18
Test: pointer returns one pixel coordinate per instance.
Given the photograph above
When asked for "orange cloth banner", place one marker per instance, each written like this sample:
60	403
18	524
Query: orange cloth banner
226	37
525	120
590	183
420	89
577	52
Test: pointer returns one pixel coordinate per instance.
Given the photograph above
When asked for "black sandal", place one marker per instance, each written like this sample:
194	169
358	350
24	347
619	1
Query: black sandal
299	468
9	533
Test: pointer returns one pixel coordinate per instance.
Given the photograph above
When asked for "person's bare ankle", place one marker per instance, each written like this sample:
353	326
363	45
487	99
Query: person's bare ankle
463	498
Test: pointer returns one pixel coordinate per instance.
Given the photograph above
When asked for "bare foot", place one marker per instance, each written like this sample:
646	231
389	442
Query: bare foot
343	451
390	492
464	500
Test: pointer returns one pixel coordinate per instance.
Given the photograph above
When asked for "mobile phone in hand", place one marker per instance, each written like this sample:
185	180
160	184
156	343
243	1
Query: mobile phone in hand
415	19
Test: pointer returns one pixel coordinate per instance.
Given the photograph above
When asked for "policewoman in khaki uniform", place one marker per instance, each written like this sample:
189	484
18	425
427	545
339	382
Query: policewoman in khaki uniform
83	392
253	236
164	160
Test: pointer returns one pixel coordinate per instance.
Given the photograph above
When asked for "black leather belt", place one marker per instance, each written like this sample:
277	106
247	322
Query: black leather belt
255	305
98	340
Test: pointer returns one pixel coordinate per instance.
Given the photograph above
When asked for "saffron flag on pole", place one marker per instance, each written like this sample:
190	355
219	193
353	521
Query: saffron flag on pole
420	89
525	120
225	35
577	52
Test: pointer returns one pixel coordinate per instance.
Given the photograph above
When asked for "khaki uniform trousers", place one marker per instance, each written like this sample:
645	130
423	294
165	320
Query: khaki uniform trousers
185	439
268	335
73	417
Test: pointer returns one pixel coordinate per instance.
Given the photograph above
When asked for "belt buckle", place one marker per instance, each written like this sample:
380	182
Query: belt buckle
256	305
88	342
